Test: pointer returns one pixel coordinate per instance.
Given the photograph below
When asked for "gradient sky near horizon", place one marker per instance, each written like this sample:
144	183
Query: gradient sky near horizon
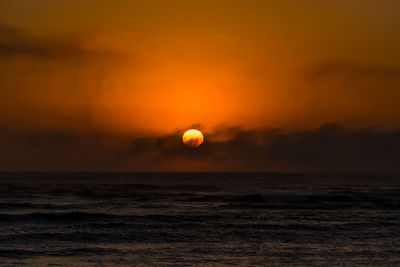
152	68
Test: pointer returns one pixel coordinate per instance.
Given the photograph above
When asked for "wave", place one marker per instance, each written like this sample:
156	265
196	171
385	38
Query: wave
32	205
102	191
305	201
29	253
83	217
288	200
194	232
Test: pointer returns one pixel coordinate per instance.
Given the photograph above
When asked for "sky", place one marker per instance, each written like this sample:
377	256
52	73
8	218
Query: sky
274	85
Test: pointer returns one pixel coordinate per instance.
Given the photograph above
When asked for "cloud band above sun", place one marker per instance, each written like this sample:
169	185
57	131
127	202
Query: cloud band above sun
327	148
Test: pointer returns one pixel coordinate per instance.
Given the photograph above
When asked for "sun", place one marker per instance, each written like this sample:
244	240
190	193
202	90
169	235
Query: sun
192	138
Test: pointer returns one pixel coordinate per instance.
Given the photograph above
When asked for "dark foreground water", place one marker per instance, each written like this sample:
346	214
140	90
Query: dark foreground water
125	219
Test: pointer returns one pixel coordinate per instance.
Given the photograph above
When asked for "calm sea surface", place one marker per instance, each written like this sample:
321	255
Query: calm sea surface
184	219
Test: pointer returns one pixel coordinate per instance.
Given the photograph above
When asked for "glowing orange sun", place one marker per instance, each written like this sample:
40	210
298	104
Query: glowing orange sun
192	138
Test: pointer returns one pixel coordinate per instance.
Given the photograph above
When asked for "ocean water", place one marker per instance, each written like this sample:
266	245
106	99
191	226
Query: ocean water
201	219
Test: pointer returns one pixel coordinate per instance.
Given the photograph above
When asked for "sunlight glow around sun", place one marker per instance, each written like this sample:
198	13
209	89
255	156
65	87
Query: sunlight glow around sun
192	138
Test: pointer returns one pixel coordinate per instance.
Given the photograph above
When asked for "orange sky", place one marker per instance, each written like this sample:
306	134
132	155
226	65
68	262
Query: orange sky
153	68
160	65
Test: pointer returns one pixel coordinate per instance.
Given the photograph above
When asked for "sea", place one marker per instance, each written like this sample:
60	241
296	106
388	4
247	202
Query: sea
199	219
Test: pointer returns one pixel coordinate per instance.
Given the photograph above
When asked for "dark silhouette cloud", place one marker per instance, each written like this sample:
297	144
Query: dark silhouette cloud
7	31
18	42
350	70
327	148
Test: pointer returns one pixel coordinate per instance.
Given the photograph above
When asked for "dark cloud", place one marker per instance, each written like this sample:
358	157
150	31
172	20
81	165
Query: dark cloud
350	70
18	42
327	148
9	32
